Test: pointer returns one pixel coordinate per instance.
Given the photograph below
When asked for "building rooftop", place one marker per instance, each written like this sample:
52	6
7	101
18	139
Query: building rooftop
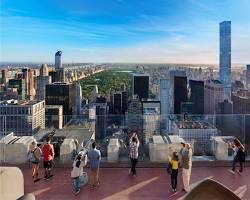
13	102
216	81
194	125
149	184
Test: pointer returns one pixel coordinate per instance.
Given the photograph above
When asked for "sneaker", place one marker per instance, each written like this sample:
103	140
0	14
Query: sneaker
175	190
77	192
38	179
48	177
231	171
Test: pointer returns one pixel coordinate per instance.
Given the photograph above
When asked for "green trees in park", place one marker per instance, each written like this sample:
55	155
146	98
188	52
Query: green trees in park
106	80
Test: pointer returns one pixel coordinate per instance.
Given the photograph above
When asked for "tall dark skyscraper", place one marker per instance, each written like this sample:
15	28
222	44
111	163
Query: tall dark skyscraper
177	90
62	94
141	85
197	96
101	120
248	77
117	103
180	93
225	57
124	102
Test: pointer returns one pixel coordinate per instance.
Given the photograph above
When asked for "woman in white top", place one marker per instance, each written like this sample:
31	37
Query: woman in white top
133	151
79	162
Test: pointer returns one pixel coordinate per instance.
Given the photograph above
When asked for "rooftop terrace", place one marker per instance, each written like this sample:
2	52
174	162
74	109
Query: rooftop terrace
150	184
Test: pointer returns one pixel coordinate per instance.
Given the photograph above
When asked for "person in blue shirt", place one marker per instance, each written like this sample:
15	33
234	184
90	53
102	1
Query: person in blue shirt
94	157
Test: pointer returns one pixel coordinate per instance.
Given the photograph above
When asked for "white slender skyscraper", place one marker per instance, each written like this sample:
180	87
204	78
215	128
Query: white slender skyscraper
225	57
58	59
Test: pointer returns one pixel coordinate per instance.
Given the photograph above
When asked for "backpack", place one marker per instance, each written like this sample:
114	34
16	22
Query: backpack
241	156
31	156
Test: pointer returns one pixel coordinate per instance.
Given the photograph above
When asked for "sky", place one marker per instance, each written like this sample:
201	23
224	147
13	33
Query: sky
148	31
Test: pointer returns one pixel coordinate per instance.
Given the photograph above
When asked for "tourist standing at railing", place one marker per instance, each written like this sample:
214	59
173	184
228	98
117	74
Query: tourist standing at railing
94	157
133	151
79	162
186	167
48	156
238	155
174	172
34	157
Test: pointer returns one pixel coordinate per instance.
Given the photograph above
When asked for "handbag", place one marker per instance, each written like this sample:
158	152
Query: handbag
84	179
169	168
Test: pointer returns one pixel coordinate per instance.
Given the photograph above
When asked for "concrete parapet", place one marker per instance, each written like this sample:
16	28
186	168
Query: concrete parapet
220	147
15	148
68	150
113	150
161	148
12	183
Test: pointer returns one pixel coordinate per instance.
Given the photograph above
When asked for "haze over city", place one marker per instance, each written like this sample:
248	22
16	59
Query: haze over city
122	30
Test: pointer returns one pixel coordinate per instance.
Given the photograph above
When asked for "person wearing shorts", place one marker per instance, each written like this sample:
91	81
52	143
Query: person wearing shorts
48	156
36	151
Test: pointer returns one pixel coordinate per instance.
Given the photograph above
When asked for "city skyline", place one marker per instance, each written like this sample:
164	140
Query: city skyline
122	31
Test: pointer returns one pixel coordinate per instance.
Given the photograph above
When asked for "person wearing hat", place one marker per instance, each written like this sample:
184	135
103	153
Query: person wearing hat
186	166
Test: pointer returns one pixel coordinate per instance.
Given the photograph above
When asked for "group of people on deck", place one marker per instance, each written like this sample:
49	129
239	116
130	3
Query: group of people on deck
182	159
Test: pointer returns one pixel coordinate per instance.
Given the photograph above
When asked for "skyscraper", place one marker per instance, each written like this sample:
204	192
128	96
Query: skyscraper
178	90
124	102
241	102
213	95
135	120
32	90
5	77
78	98
101	120
141	85
248	77
151	119
60	73
164	102
42	80
58	59
197	96
20	85
164	97
225	57
117	103
62	94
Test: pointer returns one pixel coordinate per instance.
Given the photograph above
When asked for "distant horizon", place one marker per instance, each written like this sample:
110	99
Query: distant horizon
141	63
129	31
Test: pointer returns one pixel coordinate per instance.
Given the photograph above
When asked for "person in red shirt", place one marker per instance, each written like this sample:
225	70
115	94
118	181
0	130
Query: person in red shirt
48	156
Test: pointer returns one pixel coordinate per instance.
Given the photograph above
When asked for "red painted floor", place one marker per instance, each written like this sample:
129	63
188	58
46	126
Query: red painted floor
150	184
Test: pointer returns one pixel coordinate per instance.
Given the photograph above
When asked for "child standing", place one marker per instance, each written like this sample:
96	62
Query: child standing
175	164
